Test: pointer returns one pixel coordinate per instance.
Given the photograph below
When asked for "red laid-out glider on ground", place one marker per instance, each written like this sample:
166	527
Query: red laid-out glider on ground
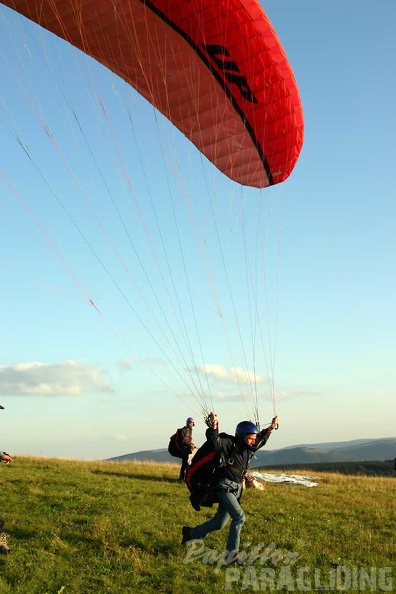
217	70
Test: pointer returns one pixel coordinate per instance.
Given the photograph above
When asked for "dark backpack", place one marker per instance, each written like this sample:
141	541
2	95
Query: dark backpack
174	447
201	475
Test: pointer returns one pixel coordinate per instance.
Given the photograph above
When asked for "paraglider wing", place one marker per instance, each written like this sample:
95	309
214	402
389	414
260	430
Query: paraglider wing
216	69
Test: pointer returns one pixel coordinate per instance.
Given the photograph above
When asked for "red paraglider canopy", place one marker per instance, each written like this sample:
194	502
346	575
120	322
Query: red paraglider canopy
217	70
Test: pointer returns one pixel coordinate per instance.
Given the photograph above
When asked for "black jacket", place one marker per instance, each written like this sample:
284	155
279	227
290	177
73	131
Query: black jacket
236	455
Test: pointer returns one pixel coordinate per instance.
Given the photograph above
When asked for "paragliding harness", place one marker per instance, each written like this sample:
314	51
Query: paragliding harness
175	448
201	476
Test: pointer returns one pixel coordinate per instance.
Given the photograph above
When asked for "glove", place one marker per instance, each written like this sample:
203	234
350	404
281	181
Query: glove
211	420
275	423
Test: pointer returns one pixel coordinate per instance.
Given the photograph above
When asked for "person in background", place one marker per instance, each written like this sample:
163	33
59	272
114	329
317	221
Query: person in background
4	549
187	446
237	452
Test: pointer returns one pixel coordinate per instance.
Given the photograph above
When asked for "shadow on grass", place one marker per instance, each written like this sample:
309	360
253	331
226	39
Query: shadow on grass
164	548
20	534
141	477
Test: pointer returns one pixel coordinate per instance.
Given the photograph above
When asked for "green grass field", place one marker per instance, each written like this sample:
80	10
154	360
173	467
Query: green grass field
97	527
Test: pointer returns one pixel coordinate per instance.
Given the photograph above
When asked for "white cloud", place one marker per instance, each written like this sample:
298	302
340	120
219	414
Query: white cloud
223	396
126	364
235	375
68	378
245	376
151	361
215	371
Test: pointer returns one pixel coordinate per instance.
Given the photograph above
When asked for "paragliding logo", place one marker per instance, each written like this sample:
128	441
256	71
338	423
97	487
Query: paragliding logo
222	58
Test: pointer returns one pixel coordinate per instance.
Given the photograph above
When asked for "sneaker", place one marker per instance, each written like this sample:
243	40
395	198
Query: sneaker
4	550
233	558
186	535
238	560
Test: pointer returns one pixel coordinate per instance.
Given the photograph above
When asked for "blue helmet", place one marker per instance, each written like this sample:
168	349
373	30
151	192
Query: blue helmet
246	428
190	420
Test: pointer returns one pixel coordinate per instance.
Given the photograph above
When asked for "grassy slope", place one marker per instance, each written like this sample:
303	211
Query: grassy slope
96	527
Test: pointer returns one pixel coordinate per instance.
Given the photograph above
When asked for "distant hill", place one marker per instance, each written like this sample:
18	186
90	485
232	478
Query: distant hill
354	451
349	451
146	456
361	467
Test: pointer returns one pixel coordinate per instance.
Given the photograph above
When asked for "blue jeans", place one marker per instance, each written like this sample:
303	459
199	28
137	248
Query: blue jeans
228	508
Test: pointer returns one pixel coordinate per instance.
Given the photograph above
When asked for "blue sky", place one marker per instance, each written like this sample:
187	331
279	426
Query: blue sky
102	201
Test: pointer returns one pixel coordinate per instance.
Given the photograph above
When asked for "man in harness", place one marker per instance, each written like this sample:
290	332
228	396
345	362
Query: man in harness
187	446
235	453
4	548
